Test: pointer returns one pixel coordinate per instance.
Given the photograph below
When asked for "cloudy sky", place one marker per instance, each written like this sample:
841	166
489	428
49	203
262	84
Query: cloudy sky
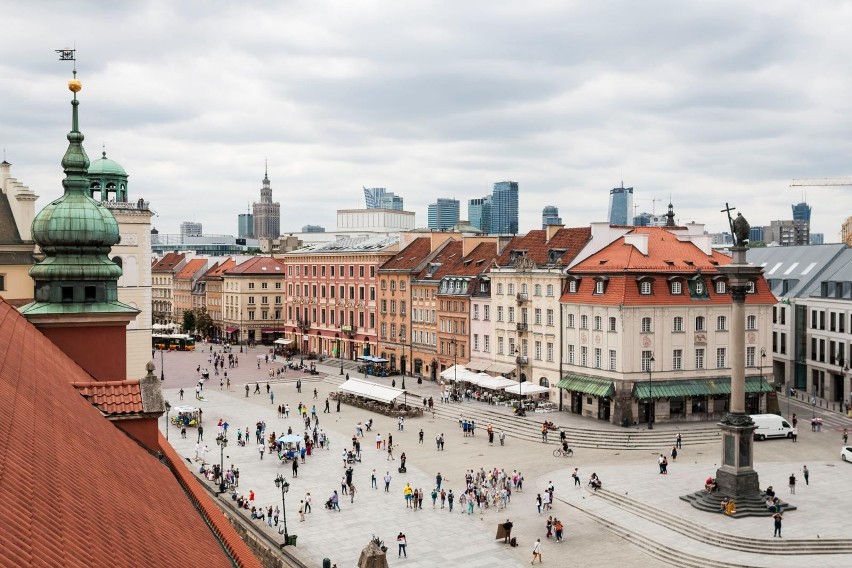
706	102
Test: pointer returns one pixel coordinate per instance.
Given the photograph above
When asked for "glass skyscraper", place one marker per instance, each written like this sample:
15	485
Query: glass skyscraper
550	216
621	205
479	213
504	208
443	214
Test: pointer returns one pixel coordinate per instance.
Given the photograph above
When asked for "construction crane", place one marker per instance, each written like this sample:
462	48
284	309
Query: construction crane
822	182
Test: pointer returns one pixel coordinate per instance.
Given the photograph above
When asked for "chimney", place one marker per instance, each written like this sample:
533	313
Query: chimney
551	230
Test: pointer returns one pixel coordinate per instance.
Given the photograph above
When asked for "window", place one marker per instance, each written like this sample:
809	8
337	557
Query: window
584	356
537	290
750	289
720	357
571	320
750	352
612	360
751	322
677	359
550	290
538	350
598	323
699	323
511	314
476	342
699	288
549	351
721	287
646	325
486	343
584	322
721	323
251	300
475	312
570	354
538	316
264	285
572	287
612	324
486	313
524	289
647	359
511	289
677	288
251	285
278	285
393	285
511	346
599	287
645	288
677	324
549	317
598	358
499	287
699	358
499	345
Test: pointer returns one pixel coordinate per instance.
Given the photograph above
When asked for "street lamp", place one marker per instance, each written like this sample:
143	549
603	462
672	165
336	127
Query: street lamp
518	365
222	442
168	407
285	487
240	331
162	368
650	398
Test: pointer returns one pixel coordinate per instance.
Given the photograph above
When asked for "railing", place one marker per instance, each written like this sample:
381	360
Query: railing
303	325
522	297
521	326
139	205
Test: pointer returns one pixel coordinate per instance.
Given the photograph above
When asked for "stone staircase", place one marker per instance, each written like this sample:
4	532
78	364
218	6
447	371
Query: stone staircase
746	506
716	538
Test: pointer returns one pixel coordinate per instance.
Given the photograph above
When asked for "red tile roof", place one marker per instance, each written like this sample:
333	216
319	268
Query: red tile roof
476	262
537	247
409	257
168	262
190	268
78	492
218	269
450	252
259	265
113	397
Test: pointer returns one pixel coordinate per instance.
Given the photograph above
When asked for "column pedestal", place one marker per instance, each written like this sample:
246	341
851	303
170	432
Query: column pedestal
737	477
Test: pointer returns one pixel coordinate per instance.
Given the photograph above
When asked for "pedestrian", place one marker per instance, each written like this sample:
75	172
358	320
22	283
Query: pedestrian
678	441
373	483
438	480
200	432
576	475
351	492
257	387
450	499
420	441
502	437
260	448
536	551
845	435
335	502
315	393
338	405
807	473
792	483
538	503
777	521
295	468
271	397
402	542
387	481
180	393
302	511
247	390
674	453
794	434
326	407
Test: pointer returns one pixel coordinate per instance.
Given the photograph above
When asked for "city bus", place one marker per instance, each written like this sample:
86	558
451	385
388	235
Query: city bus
173	342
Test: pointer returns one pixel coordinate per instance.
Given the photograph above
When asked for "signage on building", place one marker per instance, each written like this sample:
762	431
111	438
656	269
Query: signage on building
346	328
304	337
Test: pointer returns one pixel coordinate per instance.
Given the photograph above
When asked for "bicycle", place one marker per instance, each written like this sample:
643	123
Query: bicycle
559	452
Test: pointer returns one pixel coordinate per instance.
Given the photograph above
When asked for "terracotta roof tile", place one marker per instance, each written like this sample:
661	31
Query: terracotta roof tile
77	492
476	262
409	257
190	268
537	247
113	397
168	262
218	269
262	265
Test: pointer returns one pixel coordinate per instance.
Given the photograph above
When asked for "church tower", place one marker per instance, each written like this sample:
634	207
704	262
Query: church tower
76	295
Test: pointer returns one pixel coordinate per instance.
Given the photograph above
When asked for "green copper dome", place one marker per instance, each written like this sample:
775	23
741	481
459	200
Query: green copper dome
103	166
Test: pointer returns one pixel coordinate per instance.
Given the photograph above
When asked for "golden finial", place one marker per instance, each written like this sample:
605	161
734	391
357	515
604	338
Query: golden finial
74	85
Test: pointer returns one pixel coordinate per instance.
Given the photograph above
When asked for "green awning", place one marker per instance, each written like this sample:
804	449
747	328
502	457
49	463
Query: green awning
687	388
587	385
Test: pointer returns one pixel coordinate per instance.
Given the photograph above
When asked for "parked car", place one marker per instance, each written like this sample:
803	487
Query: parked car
846	454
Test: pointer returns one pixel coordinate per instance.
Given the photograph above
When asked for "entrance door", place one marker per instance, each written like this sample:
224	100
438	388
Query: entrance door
402	364
577	402
603	409
646	409
838	389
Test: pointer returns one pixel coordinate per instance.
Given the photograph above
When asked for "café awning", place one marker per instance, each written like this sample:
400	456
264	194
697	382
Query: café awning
501	368
373	391
686	388
478	365
281	341
231	329
525	389
587	385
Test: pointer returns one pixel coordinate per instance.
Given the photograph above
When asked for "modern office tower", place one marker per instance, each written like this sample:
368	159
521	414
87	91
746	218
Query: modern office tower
443	214
267	215
550	216
479	213
373	197
504	208
245	226
817	238
391	201
755	234
313	229
190	229
620	205
802	212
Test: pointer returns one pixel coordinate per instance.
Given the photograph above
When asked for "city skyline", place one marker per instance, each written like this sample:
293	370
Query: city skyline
439	105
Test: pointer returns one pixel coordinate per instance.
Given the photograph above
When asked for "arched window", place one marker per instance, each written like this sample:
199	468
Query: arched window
645	288
699	323
543	382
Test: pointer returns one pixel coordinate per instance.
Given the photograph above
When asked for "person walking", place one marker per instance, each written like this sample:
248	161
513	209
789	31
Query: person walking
295	468
373	483
420	437
351	492
777	521
307	502
678	441
845	435
438	480
450	499
387	481
536	551
326	408
538	503
302	511
335	502
200	433
576	475
674	453
794	434
806	473
792	483
402	542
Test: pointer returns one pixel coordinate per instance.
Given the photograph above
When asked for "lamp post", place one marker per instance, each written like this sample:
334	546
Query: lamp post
650	397
762	363
282	483
222	442
162	368
240	331
455	363
168	407
518	365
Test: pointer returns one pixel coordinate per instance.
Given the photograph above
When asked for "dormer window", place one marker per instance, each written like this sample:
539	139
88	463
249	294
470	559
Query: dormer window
699	288
677	288
750	288
572	287
599	287
721	287
645	287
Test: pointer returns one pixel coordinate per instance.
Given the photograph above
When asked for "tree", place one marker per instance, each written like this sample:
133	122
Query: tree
188	321
204	323
757	244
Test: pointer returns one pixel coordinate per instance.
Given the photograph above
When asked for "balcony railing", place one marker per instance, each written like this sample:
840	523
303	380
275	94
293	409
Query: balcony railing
522	297
521	326
304	325
522	361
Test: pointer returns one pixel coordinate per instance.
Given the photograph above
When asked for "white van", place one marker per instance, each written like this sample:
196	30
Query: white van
771	426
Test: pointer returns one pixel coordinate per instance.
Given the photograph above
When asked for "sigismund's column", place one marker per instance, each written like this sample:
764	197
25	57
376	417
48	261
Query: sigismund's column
737	477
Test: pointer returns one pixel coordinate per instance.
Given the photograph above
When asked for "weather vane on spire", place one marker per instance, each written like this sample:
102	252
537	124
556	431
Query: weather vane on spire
71	55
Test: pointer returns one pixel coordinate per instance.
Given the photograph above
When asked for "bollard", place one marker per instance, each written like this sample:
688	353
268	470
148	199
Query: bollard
326	563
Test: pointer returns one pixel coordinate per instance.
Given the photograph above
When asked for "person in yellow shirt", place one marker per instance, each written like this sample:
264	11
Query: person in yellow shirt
408	492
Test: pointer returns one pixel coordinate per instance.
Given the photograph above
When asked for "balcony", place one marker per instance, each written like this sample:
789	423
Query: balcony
522	297
304	325
522	327
522	361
